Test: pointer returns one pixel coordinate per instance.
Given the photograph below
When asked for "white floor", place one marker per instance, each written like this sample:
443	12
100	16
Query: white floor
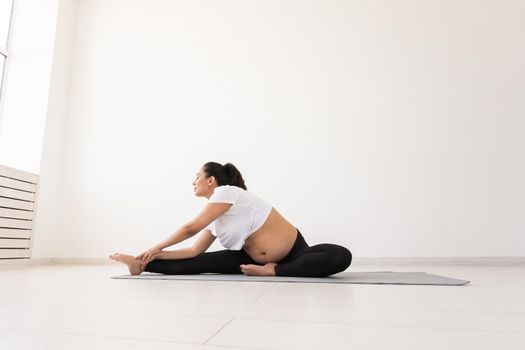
80	307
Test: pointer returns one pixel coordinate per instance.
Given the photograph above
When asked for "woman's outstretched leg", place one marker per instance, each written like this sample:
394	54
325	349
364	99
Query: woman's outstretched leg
321	260
222	261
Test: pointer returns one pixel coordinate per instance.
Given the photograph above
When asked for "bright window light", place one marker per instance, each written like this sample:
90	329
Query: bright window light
6	7
5	20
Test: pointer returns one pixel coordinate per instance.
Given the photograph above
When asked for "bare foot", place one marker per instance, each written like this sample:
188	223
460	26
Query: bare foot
258	270
133	264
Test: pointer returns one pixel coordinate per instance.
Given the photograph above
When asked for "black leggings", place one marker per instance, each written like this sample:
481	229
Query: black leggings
302	261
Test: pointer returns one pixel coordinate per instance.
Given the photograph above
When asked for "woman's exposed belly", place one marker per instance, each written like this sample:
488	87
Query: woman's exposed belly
272	241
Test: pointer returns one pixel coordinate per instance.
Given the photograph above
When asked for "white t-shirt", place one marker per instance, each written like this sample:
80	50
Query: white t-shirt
247	214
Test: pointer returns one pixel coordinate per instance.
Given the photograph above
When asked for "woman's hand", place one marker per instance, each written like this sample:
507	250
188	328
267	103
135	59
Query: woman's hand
148	255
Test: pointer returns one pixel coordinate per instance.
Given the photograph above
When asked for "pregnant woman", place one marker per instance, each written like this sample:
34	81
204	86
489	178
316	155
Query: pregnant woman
259	240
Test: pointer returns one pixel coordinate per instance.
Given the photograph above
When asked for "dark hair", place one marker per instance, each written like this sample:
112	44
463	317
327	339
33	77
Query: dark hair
226	174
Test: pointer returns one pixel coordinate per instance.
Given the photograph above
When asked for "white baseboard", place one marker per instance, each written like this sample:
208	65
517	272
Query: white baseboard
478	261
357	261
57	261
83	261
25	261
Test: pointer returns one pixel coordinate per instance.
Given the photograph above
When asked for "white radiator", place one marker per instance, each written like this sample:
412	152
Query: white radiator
17	209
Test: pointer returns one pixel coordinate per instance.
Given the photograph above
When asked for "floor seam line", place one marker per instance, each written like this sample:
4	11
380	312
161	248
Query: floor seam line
214	334
258	297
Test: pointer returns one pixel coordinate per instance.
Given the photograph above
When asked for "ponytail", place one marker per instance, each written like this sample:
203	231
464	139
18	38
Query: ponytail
226	174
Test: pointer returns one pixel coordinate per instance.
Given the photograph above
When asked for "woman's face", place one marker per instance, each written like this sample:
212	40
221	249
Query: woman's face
202	186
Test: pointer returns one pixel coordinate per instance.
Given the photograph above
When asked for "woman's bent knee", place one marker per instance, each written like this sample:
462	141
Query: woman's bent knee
347	257
344	258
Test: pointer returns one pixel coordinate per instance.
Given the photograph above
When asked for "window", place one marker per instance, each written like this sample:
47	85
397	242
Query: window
6	14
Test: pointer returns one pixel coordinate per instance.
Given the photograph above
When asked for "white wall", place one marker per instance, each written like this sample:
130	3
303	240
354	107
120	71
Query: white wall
391	127
47	238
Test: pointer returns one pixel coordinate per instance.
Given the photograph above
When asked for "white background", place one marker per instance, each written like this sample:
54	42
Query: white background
394	128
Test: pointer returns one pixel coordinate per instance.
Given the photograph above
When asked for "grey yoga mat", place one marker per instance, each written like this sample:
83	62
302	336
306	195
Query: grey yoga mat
375	277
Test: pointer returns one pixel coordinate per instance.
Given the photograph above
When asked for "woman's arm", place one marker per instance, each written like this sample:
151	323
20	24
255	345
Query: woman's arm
178	236
210	212
184	253
200	246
